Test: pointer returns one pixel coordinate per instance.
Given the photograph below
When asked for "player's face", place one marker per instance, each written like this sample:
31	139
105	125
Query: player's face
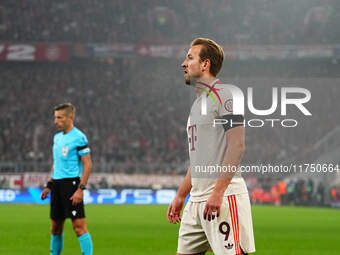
192	65
62	120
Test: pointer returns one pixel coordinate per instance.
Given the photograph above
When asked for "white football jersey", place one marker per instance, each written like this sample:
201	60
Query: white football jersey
208	144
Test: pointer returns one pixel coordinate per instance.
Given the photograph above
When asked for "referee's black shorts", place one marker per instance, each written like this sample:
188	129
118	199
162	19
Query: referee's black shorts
61	205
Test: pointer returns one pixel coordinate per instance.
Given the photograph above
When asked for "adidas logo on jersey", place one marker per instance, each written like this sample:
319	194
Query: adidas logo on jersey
229	246
74	213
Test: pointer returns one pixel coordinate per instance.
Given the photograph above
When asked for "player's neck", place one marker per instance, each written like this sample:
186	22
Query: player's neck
203	84
68	129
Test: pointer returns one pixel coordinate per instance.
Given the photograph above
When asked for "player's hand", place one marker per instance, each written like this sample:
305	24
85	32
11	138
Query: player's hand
174	210
77	197
213	204
44	193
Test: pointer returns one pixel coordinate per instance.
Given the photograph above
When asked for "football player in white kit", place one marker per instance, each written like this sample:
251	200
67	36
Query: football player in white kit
217	216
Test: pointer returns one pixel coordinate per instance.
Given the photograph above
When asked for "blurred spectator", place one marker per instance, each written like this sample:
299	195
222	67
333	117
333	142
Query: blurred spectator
310	190
320	194
291	192
335	194
316	21
282	189
103	184
4	183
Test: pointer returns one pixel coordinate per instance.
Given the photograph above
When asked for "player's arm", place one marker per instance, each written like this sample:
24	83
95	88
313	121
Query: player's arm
77	197
232	159
47	189
185	187
175	208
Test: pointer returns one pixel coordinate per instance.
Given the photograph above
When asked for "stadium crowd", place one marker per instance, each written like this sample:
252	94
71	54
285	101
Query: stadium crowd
300	191
134	112
126	120
128	21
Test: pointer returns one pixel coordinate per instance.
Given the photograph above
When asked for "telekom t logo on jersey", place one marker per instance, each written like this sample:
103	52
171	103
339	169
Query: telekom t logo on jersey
237	106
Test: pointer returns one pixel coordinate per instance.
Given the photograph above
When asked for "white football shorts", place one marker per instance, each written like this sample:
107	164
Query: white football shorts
230	233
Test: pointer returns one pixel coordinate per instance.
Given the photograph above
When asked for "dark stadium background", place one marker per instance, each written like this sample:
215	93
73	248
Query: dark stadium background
119	62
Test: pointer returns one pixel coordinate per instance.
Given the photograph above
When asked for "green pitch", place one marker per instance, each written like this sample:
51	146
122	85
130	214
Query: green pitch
133	229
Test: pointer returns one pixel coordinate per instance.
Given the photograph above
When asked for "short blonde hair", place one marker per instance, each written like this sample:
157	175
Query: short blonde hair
68	107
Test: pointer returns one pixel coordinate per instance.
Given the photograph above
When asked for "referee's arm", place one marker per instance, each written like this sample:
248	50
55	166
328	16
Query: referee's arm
77	197
47	189
50	179
87	167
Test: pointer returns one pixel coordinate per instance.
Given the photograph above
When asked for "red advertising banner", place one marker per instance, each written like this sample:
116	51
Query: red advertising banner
32	52
233	52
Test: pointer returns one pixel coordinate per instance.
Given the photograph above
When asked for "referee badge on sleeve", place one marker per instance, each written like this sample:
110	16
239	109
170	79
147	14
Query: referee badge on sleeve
86	150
